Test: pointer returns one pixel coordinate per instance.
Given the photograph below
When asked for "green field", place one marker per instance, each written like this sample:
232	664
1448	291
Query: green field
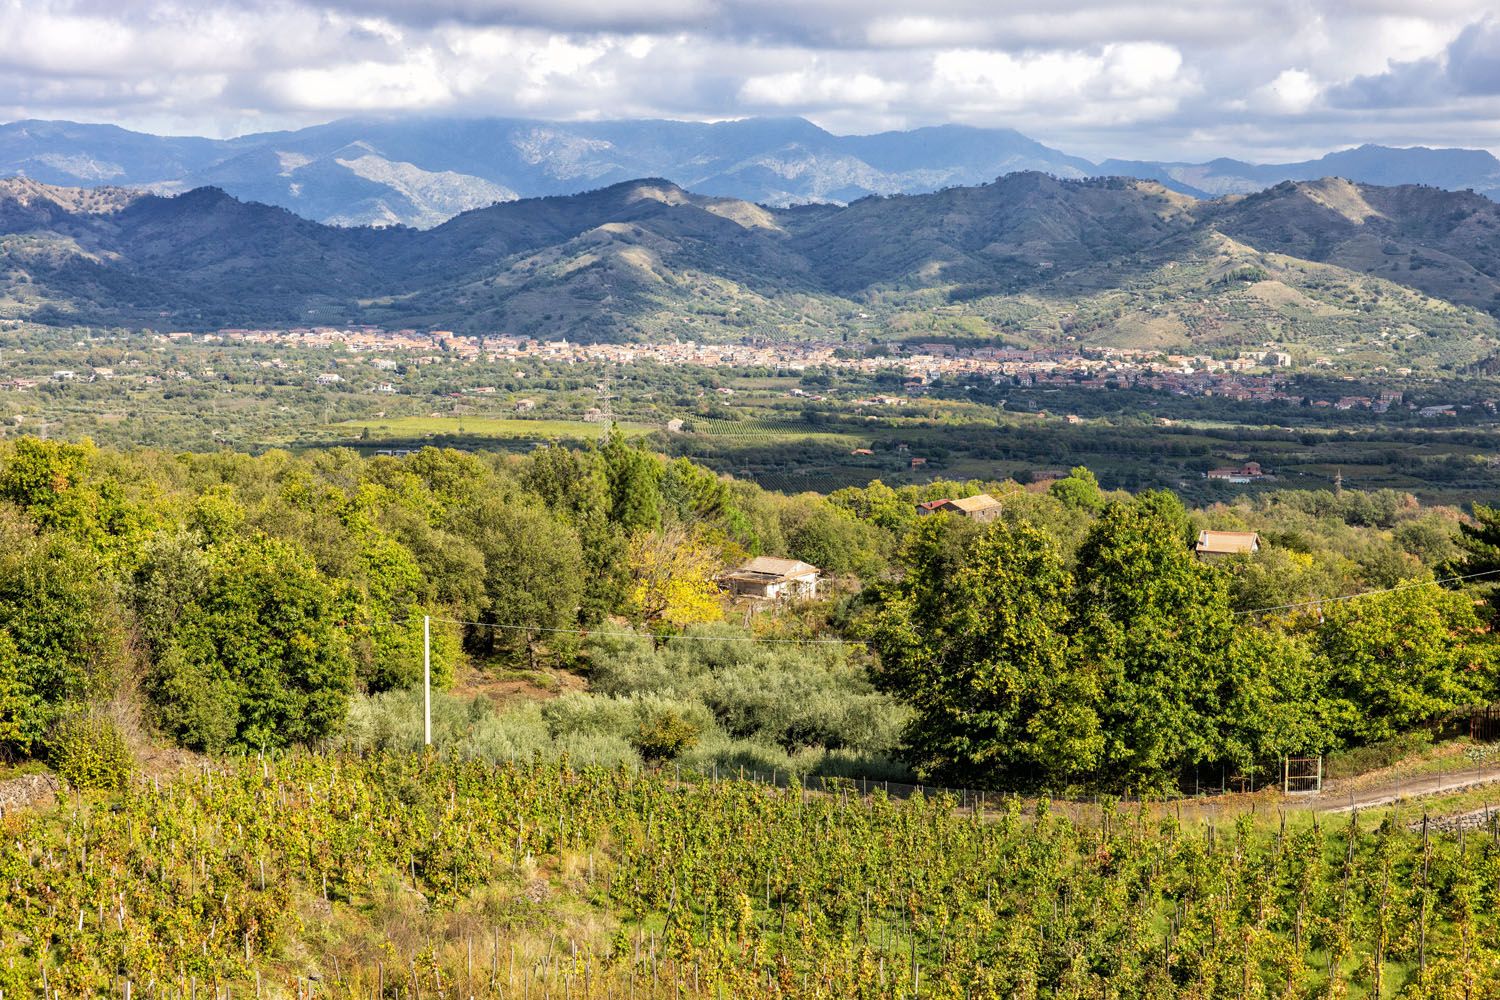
500	428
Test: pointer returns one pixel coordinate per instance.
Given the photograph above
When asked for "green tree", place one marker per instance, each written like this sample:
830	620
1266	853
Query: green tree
1154	627
533	575
1479	545
63	628
1396	661
1277	703
1079	490
878	504
692	494
826	536
21	711
248	647
974	639
54	483
634	484
576	484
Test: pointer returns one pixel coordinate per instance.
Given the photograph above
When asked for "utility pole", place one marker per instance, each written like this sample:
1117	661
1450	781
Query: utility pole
427	680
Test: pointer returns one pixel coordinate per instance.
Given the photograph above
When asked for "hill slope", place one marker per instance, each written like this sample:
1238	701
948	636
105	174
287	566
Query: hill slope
1028	259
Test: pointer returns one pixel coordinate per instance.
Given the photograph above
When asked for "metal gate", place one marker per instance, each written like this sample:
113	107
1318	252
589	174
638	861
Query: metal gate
1484	724
1301	775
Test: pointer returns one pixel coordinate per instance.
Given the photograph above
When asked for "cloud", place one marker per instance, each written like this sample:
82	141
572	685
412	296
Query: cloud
1293	92
1468	67
814	89
1474	59
1100	77
559	15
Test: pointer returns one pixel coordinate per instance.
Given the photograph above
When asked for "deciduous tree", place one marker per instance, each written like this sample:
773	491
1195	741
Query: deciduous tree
672	576
974	638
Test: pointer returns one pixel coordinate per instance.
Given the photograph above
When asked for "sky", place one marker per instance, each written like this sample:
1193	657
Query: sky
1275	79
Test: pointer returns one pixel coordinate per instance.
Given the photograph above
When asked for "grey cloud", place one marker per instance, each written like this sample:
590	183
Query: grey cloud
1468	67
1474	59
1422	82
558	15
1082	74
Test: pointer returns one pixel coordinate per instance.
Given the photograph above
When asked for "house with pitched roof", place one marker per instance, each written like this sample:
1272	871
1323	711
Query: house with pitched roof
1214	544
766	578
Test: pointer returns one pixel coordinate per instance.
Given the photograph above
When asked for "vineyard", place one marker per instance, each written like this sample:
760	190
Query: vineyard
770	430
411	877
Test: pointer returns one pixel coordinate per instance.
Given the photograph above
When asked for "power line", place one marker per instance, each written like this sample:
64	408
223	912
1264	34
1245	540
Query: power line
1294	606
1319	602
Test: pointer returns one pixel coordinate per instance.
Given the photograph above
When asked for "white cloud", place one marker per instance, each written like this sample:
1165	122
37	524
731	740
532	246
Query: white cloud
1133	69
1117	84
364	86
921	31
804	88
1293	92
1103	77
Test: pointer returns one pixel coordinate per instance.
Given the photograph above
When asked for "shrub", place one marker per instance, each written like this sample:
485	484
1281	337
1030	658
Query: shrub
89	751
727	756
663	734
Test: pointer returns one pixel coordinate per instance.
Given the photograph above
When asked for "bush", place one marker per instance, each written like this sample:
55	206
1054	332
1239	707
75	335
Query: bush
727	756
1355	761
664	735
794	698
89	751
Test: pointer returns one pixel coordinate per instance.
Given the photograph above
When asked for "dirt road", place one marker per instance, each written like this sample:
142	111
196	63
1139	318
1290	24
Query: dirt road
1341	800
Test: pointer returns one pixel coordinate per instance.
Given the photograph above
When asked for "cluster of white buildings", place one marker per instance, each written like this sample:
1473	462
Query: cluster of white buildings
920	363
1252	376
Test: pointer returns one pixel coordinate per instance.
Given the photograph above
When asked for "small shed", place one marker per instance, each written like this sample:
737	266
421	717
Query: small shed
1212	544
766	578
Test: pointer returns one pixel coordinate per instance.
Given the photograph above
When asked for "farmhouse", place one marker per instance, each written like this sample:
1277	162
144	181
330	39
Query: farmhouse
766	578
1247	473
1213	544
982	507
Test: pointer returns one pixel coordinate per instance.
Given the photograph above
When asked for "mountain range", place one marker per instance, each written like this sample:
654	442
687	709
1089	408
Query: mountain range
422	171
1387	272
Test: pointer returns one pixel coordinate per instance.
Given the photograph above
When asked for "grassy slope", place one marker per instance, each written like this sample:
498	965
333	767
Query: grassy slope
1031	260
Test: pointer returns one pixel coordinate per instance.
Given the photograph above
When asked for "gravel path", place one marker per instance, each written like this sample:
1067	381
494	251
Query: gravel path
1334	800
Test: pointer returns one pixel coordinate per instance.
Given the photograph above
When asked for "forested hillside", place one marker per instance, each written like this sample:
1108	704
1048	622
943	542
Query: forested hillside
232	603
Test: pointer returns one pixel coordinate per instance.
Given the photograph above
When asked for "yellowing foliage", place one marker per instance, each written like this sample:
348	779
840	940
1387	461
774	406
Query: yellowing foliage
672	578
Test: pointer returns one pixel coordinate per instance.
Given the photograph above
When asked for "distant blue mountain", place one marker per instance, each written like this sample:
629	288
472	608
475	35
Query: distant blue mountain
422	171
1450	169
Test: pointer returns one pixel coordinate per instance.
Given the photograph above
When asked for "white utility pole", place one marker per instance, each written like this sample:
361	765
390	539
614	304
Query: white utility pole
427	680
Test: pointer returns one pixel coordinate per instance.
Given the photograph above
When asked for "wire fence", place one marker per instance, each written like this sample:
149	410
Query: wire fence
1287	778
962	798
